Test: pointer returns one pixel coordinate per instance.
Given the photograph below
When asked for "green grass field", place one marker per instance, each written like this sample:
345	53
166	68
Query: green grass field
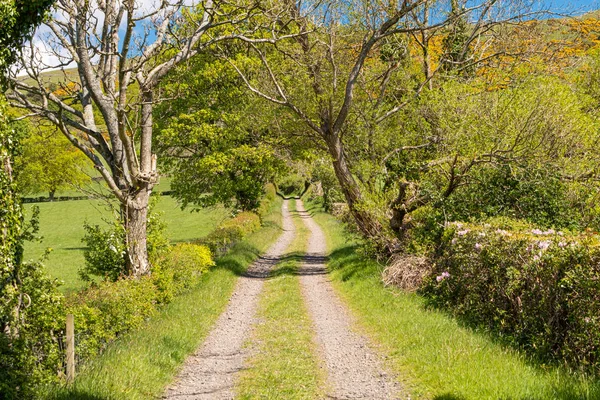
432	353
61	229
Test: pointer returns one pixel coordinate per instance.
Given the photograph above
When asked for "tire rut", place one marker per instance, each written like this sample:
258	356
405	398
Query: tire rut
210	373
354	370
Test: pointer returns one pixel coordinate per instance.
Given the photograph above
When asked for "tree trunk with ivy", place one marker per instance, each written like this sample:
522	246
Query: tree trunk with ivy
11	226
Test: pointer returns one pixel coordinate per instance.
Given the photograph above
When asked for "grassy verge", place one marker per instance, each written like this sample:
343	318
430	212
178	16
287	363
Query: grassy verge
436	357
140	364
61	228
284	365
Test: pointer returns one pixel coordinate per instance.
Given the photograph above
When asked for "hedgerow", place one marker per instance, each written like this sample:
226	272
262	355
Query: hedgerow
233	230
538	290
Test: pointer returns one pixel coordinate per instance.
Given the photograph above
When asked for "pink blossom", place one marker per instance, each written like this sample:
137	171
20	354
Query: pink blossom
562	245
443	276
544	244
478	247
537	232
536	258
463	232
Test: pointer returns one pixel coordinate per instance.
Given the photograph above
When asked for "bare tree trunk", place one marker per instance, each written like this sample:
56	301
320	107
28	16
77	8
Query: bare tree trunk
366	222
136	214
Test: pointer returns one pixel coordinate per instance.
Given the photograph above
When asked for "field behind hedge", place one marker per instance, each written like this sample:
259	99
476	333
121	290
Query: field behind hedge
61	228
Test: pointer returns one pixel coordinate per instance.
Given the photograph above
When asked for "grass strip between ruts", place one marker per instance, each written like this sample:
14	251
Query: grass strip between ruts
284	364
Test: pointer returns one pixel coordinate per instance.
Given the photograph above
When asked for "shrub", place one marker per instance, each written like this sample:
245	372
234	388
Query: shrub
292	185
231	231
32	357
109	309
180	269
106	253
538	290
267	200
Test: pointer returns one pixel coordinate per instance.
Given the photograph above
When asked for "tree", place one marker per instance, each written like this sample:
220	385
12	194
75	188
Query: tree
17	21
121	52
217	147
336	52
49	163
26	296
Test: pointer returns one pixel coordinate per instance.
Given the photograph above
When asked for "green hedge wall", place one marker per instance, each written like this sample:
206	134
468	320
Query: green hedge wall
537	289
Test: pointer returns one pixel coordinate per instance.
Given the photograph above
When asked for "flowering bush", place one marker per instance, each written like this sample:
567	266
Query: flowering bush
538	289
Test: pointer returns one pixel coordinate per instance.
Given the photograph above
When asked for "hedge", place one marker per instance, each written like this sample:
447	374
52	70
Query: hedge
539	290
235	229
109	309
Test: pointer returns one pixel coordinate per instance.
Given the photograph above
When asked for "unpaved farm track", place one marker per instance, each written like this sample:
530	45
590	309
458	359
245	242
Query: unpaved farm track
354	371
210	373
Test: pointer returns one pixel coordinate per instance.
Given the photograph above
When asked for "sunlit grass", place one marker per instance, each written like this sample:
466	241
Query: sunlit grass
61	229
434	355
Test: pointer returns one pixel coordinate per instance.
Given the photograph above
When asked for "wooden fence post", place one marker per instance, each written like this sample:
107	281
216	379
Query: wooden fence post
70	348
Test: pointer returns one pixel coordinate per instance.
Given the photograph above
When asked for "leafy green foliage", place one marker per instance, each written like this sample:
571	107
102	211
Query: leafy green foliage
49	163
231	231
30	305
180	269
215	151
17	19
106	249
534	289
30	358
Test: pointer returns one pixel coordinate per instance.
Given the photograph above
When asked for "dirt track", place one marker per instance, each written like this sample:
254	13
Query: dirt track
353	369
210	373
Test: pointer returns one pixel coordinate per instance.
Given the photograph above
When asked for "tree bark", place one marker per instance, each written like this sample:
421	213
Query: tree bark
367	223
136	218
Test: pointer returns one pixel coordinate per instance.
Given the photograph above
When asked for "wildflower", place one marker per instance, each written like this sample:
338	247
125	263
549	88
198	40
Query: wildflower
550	232
478	247
544	244
443	276
482	234
536	258
463	232
562	245
560	233
454	241
537	232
